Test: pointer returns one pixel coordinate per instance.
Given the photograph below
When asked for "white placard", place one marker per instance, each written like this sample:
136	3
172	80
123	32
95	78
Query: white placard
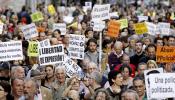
162	85
76	46
142	18
100	12
147	82
29	31
151	28
51	55
44	43
164	28
71	67
68	19
88	5
61	27
1	28
11	51
98	25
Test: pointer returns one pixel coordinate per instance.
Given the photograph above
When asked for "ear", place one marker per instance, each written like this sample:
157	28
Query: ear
113	80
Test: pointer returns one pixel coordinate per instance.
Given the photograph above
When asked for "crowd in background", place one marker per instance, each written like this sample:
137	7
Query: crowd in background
119	75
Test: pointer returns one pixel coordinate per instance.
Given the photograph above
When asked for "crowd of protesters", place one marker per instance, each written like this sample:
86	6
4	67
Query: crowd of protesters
119	75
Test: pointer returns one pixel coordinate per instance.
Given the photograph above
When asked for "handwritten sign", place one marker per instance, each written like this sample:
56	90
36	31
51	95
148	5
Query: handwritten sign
140	28
113	28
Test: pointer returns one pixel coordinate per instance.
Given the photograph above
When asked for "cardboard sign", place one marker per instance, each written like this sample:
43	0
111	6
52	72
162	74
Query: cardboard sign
1	28
33	49
162	85
72	68
165	54
140	28
44	43
98	25
29	31
51	55
114	15
142	18
61	27
76	46
11	51
152	28
100	12
123	23
37	16
147	73
164	28
113	28
88	5
51	9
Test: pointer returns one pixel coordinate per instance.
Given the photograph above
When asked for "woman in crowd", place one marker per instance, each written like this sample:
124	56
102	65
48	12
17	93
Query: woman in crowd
151	64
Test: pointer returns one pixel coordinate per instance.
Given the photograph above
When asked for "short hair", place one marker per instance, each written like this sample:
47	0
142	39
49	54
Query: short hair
123	66
150	46
133	92
104	91
57	30
91	40
171	36
60	68
139	78
141	63
112	75
118	43
92	64
158	38
13	79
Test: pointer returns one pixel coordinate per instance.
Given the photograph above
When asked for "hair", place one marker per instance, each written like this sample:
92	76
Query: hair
150	46
171	36
14	69
123	66
152	62
139	41
60	68
158	38
131	92
105	42
112	75
118	43
139	77
141	63
57	31
104	91
7	88
91	40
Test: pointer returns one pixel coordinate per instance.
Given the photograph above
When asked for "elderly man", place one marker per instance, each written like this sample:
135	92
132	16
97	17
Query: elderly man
17	88
30	90
18	72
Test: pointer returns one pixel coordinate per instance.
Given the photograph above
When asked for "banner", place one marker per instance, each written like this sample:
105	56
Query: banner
44	43
147	73
123	23
51	55
163	28
61	27
152	28
165	54
37	16
113	28
98	25
29	31
140	28
162	85
100	12
76	46
11	51
33	49
51	10
1	28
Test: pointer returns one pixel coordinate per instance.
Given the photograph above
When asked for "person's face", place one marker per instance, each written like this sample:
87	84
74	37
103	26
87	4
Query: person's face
132	43
60	75
101	96
29	89
168	67
92	47
42	36
20	73
17	87
139	87
151	52
90	34
138	47
129	96
141	69
49	72
171	42
126	60
76	84
2	93
118	49
56	34
151	66
159	42
83	25
147	42
66	39
125	73
91	69
118	80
